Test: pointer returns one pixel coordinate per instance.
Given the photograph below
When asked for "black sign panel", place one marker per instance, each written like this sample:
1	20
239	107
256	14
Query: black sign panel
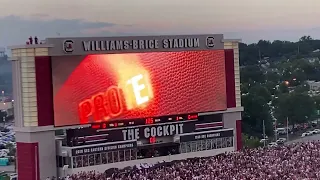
146	132
210	118
131	44
86	136
145	121
103	148
142	132
206	135
185	119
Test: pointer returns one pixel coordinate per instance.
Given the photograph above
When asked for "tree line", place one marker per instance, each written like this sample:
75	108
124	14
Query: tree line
5	75
274	83
276	50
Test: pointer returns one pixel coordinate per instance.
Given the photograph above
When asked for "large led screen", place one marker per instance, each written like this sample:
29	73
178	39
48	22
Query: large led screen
108	87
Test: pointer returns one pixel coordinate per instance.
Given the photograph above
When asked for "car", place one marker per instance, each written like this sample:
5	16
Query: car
5	130
310	132
13	176
281	140
281	131
7	139
273	144
313	132
306	134
10	127
5	150
2	145
279	143
2	134
3	154
263	140
316	131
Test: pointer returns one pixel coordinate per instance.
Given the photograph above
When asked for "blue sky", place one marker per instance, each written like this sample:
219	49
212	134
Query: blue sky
249	20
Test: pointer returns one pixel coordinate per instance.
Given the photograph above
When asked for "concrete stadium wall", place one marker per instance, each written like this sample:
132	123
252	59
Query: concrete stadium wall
102	168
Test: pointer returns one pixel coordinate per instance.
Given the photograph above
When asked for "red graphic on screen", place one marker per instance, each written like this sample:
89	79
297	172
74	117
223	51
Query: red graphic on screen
152	140
102	106
99	88
135	92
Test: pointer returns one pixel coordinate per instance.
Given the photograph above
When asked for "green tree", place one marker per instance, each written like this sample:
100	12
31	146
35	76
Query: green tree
250	142
273	77
244	88
264	48
283	83
12	149
316	100
252	75
297	107
305	39
259	90
256	110
302	88
305	45
250	53
5	81
294	71
3	114
271	86
283	88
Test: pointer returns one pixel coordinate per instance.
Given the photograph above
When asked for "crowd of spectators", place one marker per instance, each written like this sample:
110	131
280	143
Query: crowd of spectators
298	161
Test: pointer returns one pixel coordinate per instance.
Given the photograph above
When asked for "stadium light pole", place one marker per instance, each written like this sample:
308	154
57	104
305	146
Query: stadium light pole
264	134
287	128
275	130
2	97
4	121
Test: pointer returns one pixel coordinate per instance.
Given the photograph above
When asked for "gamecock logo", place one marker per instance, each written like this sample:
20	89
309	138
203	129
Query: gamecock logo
68	46
210	42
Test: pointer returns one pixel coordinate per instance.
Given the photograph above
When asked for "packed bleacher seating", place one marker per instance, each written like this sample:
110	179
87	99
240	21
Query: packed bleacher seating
288	162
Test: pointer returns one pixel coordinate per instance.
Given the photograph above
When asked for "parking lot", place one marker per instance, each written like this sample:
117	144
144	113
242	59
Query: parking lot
7	147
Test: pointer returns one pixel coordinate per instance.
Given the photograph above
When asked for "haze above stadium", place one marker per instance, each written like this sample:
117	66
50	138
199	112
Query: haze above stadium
250	20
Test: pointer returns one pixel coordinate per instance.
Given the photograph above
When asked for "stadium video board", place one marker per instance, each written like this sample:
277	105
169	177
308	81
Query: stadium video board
108	87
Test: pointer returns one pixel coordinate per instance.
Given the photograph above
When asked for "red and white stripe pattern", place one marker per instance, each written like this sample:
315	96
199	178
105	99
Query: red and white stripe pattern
213	125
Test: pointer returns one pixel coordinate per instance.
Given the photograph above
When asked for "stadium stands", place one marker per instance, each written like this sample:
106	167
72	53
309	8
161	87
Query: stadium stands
289	162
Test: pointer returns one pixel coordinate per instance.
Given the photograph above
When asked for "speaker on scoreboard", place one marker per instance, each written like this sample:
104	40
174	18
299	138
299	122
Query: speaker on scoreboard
70	137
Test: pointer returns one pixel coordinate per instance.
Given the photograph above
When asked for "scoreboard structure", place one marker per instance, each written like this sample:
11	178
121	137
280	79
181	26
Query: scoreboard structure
121	101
